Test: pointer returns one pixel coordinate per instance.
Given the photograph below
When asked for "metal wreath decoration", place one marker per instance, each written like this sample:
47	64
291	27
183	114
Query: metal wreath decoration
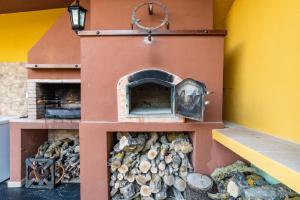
150	4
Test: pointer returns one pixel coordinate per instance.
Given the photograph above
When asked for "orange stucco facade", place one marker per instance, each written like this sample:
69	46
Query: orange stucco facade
105	59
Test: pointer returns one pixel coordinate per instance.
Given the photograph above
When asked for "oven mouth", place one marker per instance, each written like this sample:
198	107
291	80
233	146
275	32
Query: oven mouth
150	97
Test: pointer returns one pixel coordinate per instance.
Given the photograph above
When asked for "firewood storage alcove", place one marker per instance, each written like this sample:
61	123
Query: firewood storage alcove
58	148
149	164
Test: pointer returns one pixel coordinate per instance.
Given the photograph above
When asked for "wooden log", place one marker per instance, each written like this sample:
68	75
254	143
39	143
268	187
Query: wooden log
161	173
154	170
179	184
153	138
117	196
135	171
53	149
41	150
181	145
141	179
114	176
123	169
168	158
113	192
162	165
112	183
116	161
199	183
146	198
127	141
219	196
163	139
145	191
177	194
154	151
128	191
130	178
120	177
117	184
145	164
173	136
162	194
155	184
169	180
176	161
148	176
129	158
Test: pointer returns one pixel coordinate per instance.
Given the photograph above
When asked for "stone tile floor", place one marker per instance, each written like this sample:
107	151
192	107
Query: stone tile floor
62	192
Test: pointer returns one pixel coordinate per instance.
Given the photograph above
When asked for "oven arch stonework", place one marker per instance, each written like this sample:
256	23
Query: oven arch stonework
123	115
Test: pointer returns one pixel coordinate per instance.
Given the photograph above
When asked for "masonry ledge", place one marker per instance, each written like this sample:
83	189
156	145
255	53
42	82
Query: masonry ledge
277	157
26	123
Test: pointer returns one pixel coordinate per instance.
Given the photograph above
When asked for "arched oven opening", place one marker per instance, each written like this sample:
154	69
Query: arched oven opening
150	97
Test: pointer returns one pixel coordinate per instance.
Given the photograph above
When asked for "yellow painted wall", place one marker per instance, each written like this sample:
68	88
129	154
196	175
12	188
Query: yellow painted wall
20	31
262	66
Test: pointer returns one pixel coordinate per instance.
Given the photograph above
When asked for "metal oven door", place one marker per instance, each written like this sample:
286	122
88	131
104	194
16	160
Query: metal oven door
189	99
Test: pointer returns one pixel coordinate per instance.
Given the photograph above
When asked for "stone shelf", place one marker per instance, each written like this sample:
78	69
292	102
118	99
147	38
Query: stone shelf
52	66
277	157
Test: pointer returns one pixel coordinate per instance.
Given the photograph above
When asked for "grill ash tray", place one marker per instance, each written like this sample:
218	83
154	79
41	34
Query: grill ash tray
62	113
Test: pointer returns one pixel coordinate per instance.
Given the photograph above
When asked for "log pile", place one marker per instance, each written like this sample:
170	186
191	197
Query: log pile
243	182
66	153
150	166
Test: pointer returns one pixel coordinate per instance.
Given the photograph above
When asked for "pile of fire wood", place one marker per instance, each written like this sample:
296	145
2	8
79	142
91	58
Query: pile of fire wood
150	166
66	154
243	182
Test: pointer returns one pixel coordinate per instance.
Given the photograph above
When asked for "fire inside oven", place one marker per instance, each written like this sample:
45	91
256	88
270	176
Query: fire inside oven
59	101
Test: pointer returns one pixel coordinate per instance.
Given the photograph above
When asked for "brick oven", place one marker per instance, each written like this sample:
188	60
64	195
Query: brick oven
129	84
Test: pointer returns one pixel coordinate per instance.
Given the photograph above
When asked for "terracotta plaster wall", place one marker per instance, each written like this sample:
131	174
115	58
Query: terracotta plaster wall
207	154
184	14
106	59
60	45
53	74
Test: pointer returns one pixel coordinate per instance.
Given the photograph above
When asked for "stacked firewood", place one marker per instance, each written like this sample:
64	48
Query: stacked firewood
150	166
66	153
243	182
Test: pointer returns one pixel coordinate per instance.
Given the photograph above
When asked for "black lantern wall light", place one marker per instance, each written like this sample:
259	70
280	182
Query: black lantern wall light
77	16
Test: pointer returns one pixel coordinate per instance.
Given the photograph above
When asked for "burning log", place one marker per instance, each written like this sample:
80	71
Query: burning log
150	163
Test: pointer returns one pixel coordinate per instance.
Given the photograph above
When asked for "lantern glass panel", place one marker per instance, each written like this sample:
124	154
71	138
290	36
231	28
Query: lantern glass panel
75	17
82	18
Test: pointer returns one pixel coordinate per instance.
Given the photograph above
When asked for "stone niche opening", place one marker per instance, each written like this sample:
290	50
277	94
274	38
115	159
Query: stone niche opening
66	149
153	163
58	100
